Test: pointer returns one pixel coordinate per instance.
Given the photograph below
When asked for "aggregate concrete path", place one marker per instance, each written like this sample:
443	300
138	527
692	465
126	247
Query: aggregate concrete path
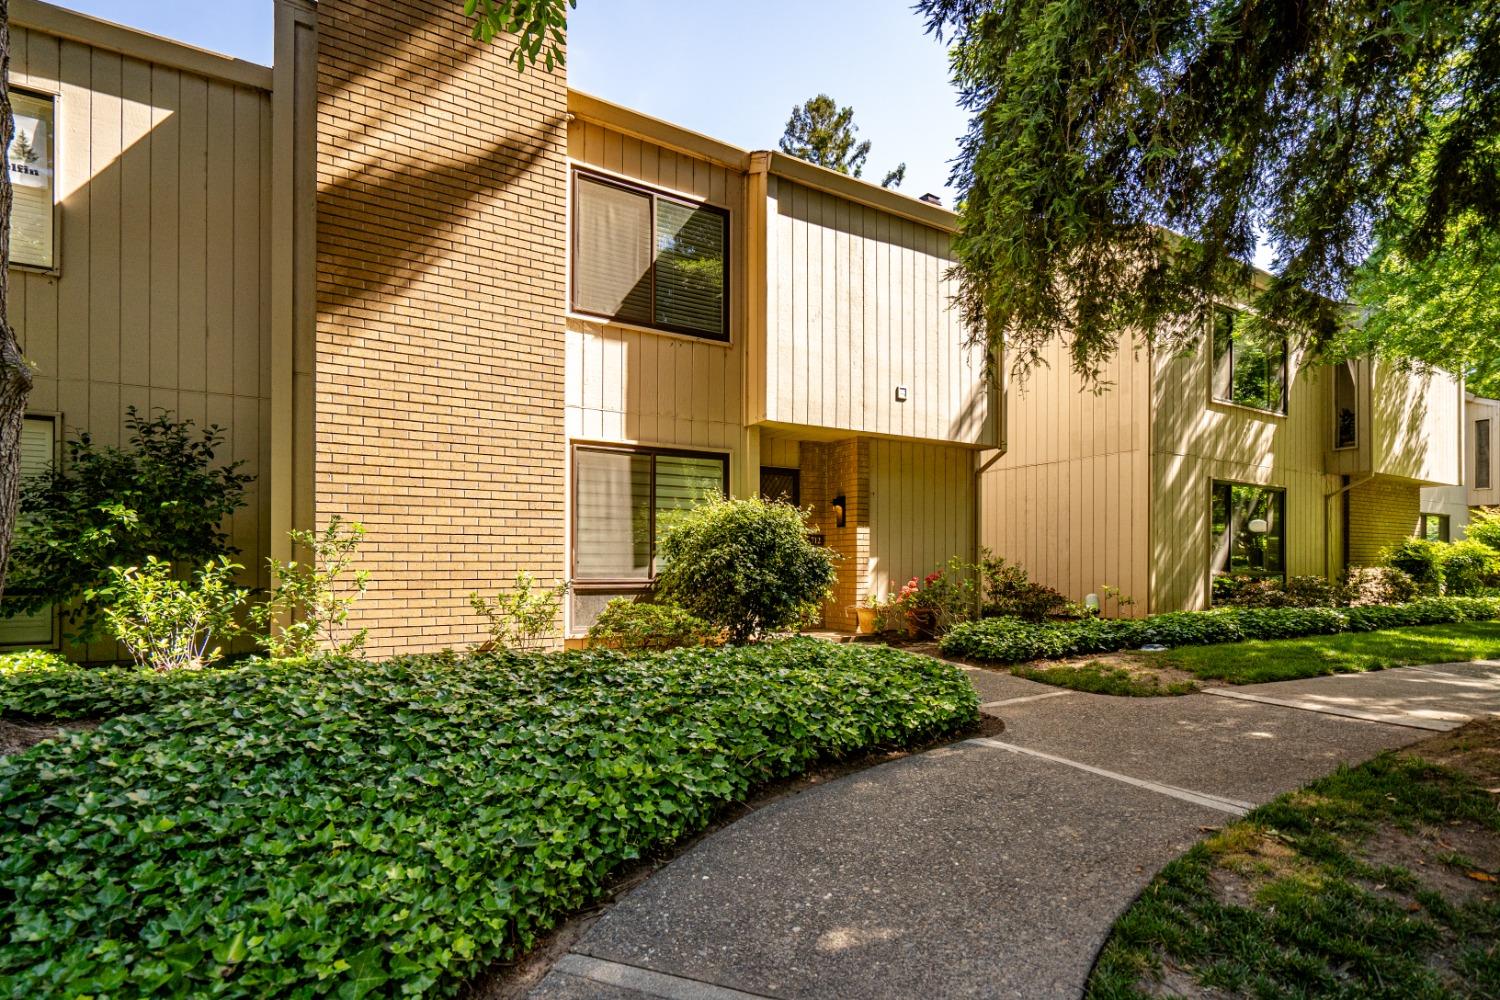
993	867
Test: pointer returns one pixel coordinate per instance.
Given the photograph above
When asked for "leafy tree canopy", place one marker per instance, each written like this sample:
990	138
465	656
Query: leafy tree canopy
540	27
821	132
1099	126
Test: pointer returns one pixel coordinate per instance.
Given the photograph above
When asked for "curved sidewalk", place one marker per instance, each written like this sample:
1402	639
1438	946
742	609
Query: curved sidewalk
992	867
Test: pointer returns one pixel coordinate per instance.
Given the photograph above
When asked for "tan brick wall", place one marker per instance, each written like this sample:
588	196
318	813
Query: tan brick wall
441	241
841	468
1380	513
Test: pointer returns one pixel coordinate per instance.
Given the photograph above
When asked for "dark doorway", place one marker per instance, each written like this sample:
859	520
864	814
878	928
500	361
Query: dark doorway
781	484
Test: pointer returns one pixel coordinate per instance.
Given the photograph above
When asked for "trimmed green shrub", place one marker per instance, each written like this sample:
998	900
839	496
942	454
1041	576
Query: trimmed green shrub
627	624
1364	585
746	565
1420	559
1009	592
1010	640
342	828
171	624
1468	566
1272	592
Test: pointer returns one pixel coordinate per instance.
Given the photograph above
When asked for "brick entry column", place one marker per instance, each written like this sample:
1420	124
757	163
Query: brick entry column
829	470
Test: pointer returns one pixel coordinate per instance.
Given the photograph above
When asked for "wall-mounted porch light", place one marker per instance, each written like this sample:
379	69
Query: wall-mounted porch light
839	506
1258	526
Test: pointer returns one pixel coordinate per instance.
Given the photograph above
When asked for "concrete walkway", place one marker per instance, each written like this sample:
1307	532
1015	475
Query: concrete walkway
993	867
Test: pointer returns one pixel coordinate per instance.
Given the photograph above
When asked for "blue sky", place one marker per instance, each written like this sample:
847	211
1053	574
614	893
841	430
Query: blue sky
730	69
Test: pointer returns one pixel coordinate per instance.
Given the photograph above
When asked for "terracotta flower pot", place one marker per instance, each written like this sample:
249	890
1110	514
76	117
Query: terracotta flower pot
865	617
923	622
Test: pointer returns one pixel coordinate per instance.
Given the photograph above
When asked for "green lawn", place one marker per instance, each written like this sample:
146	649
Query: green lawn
1101	678
1367	883
1258	661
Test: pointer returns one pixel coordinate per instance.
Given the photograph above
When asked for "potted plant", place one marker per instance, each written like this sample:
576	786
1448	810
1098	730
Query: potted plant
867	616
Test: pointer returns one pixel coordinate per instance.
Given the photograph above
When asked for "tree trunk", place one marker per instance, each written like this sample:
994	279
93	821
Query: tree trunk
15	373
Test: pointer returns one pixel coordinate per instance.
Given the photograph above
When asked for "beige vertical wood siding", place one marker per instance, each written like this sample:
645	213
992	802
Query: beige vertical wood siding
921	511
858	303
1196	440
637	386
158	299
1070	498
1480	408
1417	420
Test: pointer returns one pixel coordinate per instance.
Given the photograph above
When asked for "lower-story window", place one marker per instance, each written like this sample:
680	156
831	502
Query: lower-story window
1249	530
1433	527
622	499
38	627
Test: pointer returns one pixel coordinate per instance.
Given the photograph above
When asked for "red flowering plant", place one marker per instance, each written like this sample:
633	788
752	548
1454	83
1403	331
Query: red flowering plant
941	599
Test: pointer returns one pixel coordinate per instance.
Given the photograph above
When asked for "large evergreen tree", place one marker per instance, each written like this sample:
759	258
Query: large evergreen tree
821	132
1100	126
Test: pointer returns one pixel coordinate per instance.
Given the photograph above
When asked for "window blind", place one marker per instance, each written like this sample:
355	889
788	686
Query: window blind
612	259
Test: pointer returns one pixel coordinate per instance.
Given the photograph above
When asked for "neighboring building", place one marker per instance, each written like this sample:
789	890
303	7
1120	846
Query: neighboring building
509	326
1229	459
1446	509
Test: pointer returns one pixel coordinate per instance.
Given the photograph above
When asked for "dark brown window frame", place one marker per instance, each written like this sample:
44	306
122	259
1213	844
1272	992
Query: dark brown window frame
626	583
1443	521
1213	488
1483	474
654	194
1213	390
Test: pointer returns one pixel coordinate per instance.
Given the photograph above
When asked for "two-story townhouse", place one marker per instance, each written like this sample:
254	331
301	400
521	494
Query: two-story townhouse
1445	509
1231	458
503	324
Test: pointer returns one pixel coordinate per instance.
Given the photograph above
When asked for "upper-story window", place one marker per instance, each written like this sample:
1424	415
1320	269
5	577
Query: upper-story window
1481	454
1345	406
31	178
647	258
1247	371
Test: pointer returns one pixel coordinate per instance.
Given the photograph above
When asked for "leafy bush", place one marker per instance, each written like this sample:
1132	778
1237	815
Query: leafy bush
346	828
746	565
171	624
308	611
1009	592
523	619
108	507
33	662
1420	559
1011	640
1272	592
1468	567
1365	585
1484	527
627	624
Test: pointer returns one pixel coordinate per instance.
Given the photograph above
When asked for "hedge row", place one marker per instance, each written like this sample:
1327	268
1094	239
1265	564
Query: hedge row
310	829
1010	640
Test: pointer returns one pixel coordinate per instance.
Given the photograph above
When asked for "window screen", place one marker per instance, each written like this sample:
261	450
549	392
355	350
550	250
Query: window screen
645	258
624	498
612	265
31	178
